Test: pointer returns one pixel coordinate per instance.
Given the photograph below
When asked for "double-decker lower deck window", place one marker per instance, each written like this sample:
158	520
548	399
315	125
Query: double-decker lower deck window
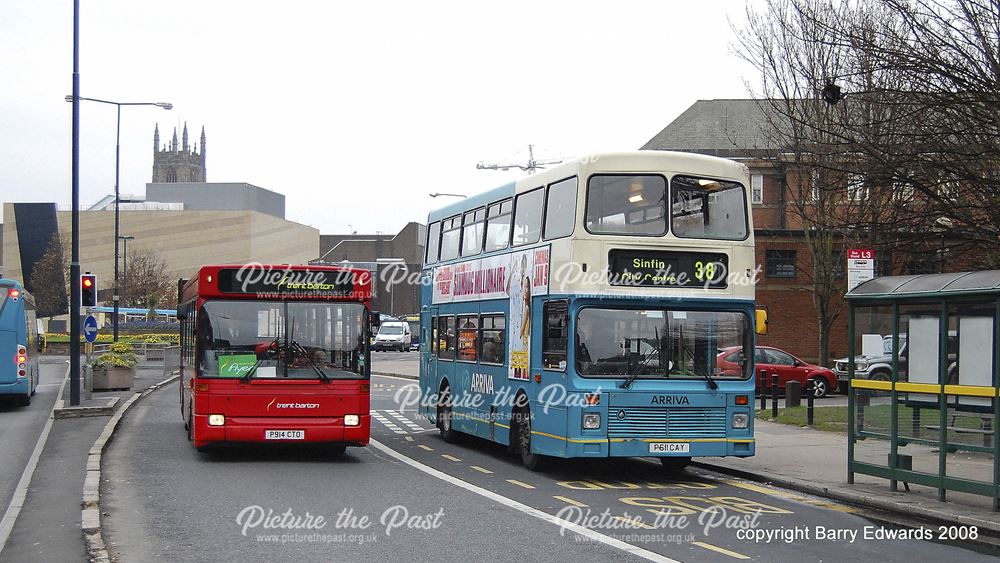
493	340
446	338
658	343
619	204
280	339
555	335
708	208
468	334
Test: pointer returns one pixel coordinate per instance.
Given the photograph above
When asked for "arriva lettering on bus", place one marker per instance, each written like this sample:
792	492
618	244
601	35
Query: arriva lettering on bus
481	383
669	400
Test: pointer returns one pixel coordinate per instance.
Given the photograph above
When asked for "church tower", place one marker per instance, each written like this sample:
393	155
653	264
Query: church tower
178	162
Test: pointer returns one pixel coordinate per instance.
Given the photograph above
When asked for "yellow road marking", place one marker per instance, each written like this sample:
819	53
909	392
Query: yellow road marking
634	522
789	496
409	438
520	484
451	457
721	550
568	500
481	469
423	447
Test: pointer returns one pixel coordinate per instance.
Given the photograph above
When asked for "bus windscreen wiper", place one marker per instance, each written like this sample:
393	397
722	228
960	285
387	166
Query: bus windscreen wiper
305	354
249	374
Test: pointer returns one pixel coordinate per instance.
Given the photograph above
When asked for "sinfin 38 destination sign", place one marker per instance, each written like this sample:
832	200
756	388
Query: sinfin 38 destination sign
668	269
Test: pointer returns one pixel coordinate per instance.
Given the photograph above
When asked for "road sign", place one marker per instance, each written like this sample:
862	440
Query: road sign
860	266
90	328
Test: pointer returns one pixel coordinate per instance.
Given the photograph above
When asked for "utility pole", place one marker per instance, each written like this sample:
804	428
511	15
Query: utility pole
530	167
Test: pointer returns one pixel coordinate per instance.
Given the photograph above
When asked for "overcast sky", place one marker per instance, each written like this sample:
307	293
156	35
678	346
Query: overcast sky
354	111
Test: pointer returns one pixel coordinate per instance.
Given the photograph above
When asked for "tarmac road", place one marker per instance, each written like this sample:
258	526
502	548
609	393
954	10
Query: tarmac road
164	500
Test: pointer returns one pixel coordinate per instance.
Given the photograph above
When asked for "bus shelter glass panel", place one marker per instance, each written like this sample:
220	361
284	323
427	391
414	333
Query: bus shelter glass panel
873	342
970	423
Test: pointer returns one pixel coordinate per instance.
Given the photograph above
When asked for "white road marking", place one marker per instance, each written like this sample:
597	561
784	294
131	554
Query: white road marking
388	423
409	423
534	512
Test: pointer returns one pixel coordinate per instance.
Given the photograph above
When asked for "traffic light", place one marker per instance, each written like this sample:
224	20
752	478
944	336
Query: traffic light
88	290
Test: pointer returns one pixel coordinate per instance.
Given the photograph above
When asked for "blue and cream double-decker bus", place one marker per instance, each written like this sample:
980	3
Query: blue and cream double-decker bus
584	311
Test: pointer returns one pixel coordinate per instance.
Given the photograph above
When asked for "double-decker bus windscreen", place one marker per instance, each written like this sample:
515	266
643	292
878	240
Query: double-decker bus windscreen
659	343
281	339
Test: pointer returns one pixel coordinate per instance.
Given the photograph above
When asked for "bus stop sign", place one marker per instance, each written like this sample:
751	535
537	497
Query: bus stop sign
90	328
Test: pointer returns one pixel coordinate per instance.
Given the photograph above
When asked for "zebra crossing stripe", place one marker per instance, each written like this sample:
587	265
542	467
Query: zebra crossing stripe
412	425
388	423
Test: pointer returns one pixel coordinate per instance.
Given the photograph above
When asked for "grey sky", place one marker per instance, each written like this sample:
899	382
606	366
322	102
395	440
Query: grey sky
354	111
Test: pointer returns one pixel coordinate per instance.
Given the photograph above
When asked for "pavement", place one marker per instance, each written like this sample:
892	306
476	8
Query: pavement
48	527
815	462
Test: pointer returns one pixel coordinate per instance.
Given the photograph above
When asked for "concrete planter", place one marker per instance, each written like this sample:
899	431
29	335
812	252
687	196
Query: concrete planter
106	378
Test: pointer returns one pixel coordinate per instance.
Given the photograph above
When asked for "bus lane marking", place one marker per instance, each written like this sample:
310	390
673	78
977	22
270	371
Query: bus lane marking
721	550
634	522
568	500
425	448
523	508
482	469
409	423
520	483
451	457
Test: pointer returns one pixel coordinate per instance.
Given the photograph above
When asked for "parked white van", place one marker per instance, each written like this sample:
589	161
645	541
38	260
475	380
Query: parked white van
393	335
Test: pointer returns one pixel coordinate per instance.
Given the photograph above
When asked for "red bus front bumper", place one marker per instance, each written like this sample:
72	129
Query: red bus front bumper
330	430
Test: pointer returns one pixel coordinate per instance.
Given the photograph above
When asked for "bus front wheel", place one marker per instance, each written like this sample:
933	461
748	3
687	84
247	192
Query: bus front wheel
445	417
531	461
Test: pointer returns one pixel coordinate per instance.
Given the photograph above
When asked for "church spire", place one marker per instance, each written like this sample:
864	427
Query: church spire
173	144
156	139
184	137
202	142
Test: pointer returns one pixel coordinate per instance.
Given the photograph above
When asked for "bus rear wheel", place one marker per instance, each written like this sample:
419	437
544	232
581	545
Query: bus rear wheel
445	417
25	400
531	461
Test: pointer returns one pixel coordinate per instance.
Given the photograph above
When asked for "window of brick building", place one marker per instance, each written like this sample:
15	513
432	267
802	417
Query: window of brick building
780	263
756	189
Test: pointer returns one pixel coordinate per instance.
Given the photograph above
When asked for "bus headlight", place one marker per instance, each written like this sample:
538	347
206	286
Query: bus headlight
216	420
352	420
591	421
740	420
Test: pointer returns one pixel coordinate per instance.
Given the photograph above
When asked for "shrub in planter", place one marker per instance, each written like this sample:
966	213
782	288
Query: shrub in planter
115	369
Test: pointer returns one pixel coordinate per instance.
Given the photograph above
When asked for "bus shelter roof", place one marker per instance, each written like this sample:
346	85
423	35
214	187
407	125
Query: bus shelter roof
890	288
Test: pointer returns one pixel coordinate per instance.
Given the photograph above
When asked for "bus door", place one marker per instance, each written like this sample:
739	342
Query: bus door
428	347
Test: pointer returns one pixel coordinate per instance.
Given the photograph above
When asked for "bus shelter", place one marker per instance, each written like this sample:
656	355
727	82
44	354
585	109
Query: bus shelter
924	392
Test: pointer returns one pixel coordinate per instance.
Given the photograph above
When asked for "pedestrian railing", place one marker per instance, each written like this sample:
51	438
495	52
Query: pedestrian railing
148	352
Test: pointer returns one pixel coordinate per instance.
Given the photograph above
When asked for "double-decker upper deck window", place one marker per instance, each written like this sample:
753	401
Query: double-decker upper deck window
472	232
433	241
451	228
620	204
498	225
528	217
708	208
560	209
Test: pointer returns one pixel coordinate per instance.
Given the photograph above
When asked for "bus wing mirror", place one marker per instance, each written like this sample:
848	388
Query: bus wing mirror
375	319
760	321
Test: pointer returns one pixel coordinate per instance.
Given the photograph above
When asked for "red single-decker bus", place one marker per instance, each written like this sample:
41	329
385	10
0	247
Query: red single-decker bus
276	353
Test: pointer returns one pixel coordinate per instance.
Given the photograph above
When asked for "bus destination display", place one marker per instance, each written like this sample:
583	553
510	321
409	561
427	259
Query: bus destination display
653	268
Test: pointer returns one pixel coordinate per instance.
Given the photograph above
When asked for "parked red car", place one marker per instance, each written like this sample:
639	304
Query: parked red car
787	366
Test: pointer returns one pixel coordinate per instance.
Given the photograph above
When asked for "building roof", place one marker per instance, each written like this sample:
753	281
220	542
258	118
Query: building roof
731	128
928	285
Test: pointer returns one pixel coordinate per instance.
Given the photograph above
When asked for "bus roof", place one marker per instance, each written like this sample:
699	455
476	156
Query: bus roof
610	162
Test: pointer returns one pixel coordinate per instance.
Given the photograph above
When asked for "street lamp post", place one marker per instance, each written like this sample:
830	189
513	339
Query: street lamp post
118	127
124	239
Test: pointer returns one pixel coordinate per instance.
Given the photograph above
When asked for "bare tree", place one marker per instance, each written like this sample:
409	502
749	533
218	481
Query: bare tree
148	284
